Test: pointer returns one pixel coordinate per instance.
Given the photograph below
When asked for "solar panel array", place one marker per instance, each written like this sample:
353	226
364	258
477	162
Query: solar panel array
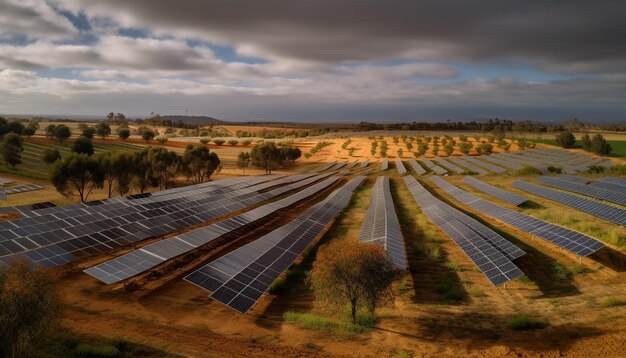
381	224
5	181
432	166
467	165
501	162
616	181
324	167
450	165
400	167
594	192
239	278
416	167
542	158
488	250
384	165
604	211
3	195
364	164
601	184
353	164
492	167
60	235
339	165
495	191
141	260
23	188
567	239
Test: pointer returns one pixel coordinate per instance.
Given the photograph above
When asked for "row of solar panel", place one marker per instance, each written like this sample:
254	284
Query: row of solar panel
400	167
592	207
567	239
239	278
138	261
488	250
78	236
495	191
617	197
384	165
381	224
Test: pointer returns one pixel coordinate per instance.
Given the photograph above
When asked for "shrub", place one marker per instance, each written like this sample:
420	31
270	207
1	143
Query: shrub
561	272
599	145
278	287
204	141
525	322
313	321
553	169
527	170
89	351
219	141
565	139
448	289
246	141
613	302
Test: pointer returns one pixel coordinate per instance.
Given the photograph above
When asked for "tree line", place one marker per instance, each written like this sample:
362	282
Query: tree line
268	156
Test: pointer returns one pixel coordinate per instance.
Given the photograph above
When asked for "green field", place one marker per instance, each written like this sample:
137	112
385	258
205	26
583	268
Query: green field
619	146
32	165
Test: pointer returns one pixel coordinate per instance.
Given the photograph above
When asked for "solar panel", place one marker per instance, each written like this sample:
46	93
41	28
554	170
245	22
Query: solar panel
450	165
494	159
3	195
384	165
23	188
427	162
400	167
416	167
353	164
495	191
364	164
62	234
467	165
616	181
486	254
492	167
339	165
239	278
592	207
324	167
567	239
138	261
5	181
381	224
594	192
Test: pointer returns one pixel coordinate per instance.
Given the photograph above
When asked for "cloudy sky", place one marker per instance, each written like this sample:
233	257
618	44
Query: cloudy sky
323	60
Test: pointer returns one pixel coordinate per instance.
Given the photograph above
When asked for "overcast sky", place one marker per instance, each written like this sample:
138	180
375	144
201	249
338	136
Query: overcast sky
322	60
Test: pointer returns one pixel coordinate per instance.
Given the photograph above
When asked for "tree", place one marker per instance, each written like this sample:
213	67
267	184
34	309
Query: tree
103	129
105	161
599	145
62	132
4	126
77	172
487	148
266	156
50	155
141	170
121	163
16	127
50	130
422	148
89	132
448	148
233	142
565	139
123	133
83	145
354	273
199	163
243	161
465	147
31	129
219	141
161	140
147	135
29	306
12	149
164	164
586	142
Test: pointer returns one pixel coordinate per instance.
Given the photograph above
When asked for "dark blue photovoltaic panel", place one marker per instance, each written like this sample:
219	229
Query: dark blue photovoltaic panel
495	192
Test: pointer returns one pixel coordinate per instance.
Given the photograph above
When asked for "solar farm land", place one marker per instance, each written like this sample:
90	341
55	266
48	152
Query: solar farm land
491	259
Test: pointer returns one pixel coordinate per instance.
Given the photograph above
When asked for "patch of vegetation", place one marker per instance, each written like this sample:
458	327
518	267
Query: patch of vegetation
319	323
101	351
278	287
561	272
452	266
613	302
402	354
525	322
527	170
477	293
447	288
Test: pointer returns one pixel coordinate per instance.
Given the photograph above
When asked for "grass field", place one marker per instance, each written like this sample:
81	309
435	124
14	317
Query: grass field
34	167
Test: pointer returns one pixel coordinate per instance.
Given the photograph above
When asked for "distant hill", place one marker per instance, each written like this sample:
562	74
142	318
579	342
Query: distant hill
193	119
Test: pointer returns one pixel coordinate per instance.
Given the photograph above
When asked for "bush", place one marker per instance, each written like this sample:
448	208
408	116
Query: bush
204	141
246	141
527	170
525	322
89	351
278	287
448	289
313	321
565	139
219	141
613	302
233	142
561	272
553	169
599	145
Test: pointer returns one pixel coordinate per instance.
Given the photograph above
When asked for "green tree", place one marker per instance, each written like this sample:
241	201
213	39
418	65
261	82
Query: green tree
88	132
199	163
50	155
586	142
122	166
50	131
12	148
448	148
465	147
147	135
243	161
83	145
77	172
219	141
599	145
29	307
105	160
565	139
62	132
165	165
266	156
422	148
31	129
123	133
141	169
354	274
